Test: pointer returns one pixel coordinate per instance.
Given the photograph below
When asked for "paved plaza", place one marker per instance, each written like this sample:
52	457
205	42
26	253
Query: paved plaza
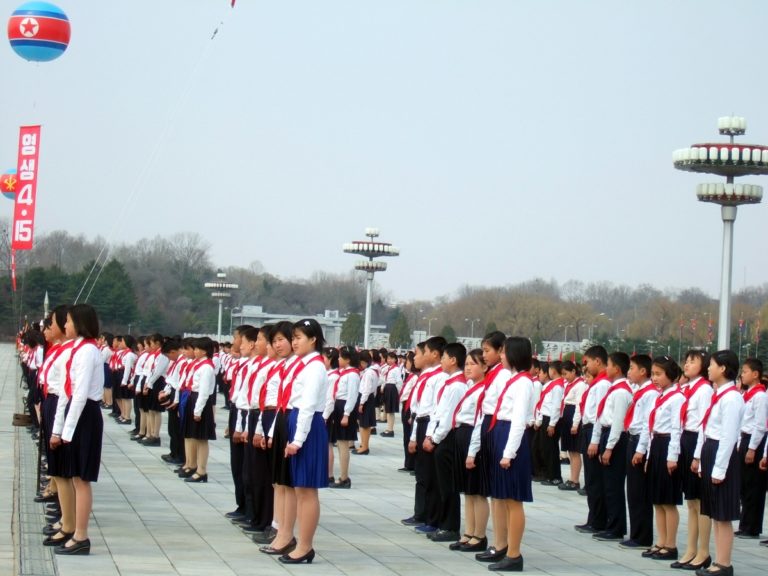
146	521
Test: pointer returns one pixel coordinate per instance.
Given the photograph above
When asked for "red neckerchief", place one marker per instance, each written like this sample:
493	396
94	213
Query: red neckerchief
467	394
688	393
191	367
509	383
55	351
458	378
235	371
567	391
75	349
424	376
287	390
490	376
276	367
412	392
583	403
756	389
620	385
262	361
635	399
551	386
341	375
715	399
405	382
201	362
660	401
285	371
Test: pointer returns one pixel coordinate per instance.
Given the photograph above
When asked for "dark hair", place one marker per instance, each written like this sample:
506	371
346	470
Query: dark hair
351	355
557	366
383	352
170	345
621	361
187	342
375	356
518	352
421	346
365	356
670	367
597	353
495	340
108	336
392	355
250	333
156	337
642	361
311	329
60	314
571	366
755	365
436	344
409	356
85	320
283	327
477	355
333	355
129	341
701	355
542	366
242	328
458	351
265	330
205	344
728	360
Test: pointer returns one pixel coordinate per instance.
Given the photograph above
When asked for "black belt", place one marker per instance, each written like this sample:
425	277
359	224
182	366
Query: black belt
422	419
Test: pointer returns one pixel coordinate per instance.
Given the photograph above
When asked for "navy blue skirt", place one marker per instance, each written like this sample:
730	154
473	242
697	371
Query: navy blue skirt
56	458
205	429
309	467
568	442
666	488
338	432
720	501
468	482
691	482
84	458
514	483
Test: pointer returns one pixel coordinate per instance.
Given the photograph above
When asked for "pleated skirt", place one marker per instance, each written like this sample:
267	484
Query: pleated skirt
56	458
690	481
281	470
468	482
368	415
309	466
205	429
391	399
84	458
513	483
484	457
338	432
568	442
720	501
665	488
154	393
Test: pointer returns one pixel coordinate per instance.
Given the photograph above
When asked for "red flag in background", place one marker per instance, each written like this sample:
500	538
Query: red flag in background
26	171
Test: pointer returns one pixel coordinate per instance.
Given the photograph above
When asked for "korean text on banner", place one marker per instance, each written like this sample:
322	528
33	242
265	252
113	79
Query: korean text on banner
26	172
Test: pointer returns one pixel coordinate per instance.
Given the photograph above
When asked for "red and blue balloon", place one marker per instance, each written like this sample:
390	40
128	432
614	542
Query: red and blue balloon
9	184
38	31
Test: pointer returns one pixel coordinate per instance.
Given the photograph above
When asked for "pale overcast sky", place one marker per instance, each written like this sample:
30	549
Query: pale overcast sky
491	141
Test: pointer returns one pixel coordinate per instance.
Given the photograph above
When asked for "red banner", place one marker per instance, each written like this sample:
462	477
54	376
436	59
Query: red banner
26	172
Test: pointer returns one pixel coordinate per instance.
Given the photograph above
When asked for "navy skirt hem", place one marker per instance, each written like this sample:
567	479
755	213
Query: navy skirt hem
309	466
720	502
513	483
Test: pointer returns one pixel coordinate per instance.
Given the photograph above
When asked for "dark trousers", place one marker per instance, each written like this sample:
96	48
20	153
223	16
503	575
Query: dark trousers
410	459
638	498
224	389
614	475
450	502
753	485
257	478
426	499
548	450
174	433
137	410
593	482
236	453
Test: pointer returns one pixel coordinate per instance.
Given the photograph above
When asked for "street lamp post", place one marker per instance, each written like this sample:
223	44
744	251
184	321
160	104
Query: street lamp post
729	160
371	249
471	325
219	292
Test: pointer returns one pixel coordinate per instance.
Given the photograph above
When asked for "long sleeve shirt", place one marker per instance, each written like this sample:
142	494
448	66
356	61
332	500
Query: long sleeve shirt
515	408
550	401
308	395
272	384
394	376
408	384
204	383
86	372
574	396
139	374
538	387
643	401
595	394
129	363
157	369
467	408
441	419
697	403
725	413
369	380
496	378
53	375
666	420
617	401
254	386
755	417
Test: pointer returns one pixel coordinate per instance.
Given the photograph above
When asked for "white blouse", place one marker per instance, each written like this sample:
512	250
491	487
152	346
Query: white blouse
515	408
308	395
441	419
723	425
697	405
666	421
755	419
87	376
204	383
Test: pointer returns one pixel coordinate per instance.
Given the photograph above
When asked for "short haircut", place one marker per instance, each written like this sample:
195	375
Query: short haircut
170	345
518	352
251	333
670	367
543	366
375	356
436	344
365	356
728	360
571	366
495	340
351	355
157	338
597	353
755	365
205	344
333	356
242	328
311	329
422	346
477	355
621	361
129	341
392	355
60	314
557	366
642	361
458	351
283	327
265	331
85	320
703	356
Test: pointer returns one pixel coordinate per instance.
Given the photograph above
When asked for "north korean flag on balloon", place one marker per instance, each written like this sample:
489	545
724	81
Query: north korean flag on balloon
38	31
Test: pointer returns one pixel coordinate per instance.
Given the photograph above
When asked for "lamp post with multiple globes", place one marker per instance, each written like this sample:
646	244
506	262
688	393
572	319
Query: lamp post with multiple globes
730	160
219	292
370	249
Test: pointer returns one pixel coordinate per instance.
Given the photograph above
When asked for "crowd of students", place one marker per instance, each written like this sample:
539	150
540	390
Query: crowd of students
484	423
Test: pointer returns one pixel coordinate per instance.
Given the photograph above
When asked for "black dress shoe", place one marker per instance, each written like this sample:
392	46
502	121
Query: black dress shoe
186	472
168	458
443	536
362	452
79	547
150	442
341	484
197	478
272	551
491	555
607	536
265	537
703	566
480	546
665	554
48	498
651	551
53	541
308	557
50	530
235	515
456	546
721	570
508	564
585	529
